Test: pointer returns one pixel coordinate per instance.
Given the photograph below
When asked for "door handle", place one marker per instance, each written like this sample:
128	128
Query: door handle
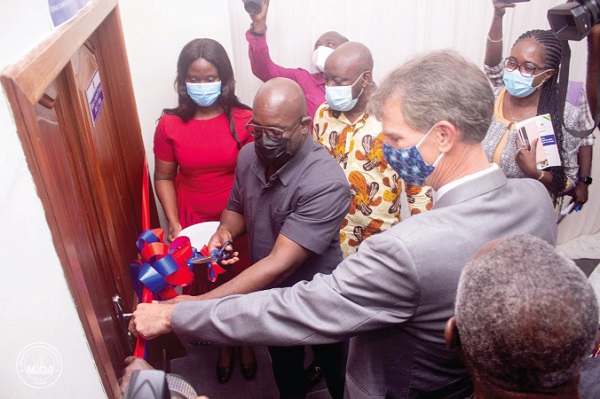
123	320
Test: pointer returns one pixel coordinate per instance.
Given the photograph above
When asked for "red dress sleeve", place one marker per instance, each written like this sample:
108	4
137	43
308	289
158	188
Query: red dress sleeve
163	145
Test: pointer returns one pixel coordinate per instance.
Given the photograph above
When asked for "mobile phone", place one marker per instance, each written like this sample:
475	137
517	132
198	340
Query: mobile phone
565	212
522	132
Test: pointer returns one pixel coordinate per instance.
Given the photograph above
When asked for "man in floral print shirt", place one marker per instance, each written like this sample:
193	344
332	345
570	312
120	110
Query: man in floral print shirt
354	139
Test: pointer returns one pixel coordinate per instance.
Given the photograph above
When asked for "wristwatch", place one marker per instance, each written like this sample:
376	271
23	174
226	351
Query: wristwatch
585	180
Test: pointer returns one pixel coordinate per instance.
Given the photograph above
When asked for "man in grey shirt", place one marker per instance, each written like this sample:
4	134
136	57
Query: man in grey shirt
290	196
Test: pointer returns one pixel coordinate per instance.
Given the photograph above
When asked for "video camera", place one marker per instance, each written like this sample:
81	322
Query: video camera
573	21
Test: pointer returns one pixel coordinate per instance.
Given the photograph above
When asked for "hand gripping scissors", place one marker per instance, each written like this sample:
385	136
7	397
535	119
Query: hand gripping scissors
216	255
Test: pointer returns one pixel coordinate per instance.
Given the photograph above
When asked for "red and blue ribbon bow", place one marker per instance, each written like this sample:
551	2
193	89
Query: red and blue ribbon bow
161	267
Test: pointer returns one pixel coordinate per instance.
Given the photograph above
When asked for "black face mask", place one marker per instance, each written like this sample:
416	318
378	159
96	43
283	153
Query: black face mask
273	153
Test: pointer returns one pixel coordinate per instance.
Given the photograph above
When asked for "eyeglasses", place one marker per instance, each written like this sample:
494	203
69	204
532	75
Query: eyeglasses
526	69
273	133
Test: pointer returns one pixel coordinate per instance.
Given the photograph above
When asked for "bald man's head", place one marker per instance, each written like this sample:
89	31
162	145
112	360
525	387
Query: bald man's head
280	96
330	39
350	57
350	65
281	124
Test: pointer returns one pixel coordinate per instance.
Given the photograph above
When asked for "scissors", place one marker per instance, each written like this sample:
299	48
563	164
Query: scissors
216	255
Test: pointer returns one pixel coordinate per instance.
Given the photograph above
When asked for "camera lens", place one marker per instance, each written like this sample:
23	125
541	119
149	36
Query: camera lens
573	21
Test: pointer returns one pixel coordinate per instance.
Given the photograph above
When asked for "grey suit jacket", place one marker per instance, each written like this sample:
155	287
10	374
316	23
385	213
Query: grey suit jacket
393	297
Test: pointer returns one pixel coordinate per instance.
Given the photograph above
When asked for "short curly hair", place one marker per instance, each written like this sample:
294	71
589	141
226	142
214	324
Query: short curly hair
527	317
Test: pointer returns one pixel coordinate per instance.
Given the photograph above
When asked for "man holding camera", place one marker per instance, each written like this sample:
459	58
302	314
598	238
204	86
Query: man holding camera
264	68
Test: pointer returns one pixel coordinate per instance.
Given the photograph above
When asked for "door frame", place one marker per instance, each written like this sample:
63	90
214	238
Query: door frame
25	83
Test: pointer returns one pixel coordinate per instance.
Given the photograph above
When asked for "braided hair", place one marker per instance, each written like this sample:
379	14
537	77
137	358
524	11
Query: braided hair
551	48
213	52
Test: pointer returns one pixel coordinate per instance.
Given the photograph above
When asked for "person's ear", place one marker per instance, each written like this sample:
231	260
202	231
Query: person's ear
447	135
547	76
367	79
451	334
305	123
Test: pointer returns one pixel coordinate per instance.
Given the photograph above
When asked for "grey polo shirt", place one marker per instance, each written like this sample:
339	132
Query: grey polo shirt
305	200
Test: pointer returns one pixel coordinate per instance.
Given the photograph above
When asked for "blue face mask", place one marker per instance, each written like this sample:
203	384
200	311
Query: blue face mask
518	85
409	163
340	98
204	94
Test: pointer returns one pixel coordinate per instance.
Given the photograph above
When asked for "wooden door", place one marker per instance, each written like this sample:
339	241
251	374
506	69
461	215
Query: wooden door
87	159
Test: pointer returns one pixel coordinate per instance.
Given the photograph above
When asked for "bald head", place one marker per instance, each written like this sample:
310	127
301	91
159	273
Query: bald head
350	57
279	104
330	39
280	96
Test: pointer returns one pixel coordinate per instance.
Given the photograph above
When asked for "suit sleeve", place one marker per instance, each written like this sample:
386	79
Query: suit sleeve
372	289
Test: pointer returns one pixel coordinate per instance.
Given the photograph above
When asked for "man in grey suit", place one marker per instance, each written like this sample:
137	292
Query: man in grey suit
394	296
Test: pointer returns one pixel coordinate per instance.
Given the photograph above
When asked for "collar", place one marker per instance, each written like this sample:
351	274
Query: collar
437	195
498	107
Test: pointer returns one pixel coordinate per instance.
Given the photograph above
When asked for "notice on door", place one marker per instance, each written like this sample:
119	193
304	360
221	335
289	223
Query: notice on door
62	11
95	96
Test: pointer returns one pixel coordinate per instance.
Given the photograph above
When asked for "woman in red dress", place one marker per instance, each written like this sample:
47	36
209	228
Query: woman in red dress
195	147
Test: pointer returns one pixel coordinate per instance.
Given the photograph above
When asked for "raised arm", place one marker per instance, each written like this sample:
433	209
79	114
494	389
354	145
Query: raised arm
261	63
593	67
494	41
259	21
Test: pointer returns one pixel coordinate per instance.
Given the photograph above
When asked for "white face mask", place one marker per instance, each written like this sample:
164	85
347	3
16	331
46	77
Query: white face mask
319	56
340	98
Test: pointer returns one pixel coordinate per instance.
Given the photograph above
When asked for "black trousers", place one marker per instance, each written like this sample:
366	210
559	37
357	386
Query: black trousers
288	369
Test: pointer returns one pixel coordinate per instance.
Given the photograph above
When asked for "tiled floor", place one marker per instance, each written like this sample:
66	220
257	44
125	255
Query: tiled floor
199	368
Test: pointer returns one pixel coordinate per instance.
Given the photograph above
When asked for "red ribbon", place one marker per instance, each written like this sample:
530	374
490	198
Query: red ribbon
213	269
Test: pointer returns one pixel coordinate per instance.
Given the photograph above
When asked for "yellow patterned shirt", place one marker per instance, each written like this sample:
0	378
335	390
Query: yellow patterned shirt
376	187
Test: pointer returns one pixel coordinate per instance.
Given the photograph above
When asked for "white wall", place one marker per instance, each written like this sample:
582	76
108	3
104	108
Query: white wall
36	306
